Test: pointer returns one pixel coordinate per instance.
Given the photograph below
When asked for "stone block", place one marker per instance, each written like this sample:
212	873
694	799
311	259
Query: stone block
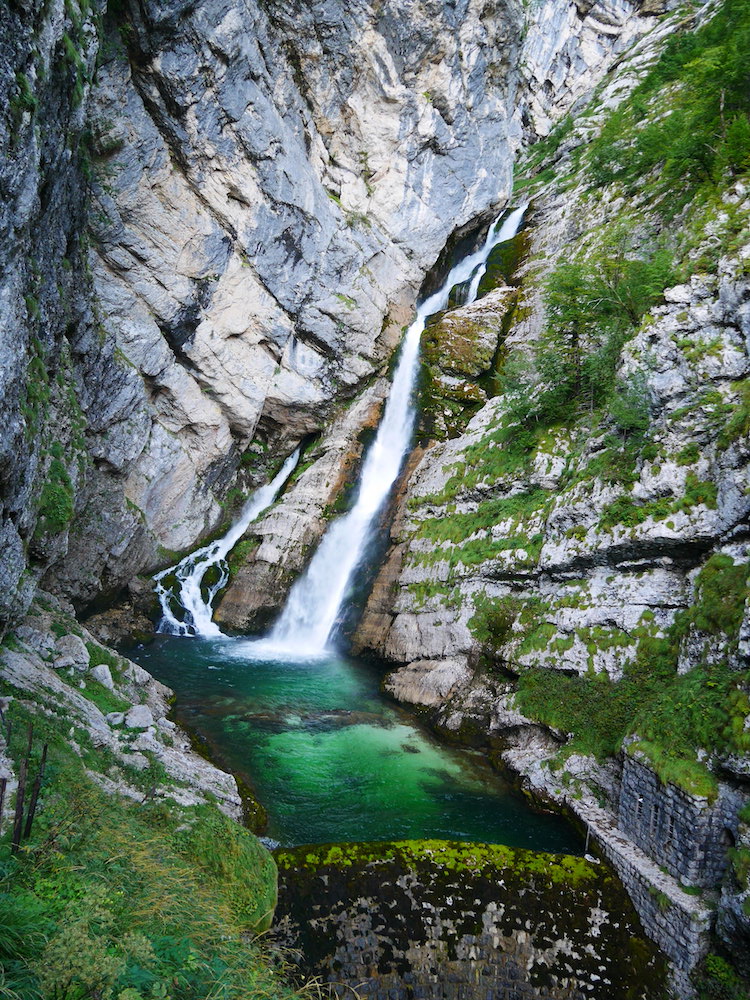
70	651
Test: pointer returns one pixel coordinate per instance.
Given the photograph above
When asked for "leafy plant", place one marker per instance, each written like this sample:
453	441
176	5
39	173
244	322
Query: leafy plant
56	500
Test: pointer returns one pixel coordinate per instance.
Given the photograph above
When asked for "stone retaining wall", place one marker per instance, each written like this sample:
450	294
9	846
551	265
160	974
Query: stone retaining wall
685	833
446	921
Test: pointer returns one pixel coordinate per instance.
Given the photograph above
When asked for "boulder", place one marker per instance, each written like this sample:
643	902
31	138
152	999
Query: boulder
101	673
139	717
71	651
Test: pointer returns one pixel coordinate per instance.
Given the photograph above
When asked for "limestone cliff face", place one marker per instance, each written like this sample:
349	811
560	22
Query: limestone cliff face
46	325
219	216
269	184
599	546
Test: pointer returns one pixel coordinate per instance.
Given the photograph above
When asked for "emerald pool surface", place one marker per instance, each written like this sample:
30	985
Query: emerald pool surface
331	759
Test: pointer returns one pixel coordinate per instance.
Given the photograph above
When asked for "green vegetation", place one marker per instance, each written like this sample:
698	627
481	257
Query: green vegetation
689	455
738	424
46	402
75	60
698	710
593	305
702	710
239	554
629	512
36	394
24	99
715	979
493	620
99	654
721	593
559	869
348	301
687	123
129	900
427	590
56	500
104	699
503	262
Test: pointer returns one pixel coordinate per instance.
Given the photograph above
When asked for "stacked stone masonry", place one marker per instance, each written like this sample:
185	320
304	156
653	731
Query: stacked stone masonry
685	833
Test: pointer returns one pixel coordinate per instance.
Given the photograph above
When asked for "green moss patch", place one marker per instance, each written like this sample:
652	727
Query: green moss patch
452	856
678	716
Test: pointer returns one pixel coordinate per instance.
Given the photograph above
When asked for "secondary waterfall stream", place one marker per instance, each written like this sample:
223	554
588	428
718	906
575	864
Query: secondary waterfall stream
328	756
196	598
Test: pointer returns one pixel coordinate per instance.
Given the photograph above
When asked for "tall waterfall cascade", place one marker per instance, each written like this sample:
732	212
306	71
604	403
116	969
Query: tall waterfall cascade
192	595
308	621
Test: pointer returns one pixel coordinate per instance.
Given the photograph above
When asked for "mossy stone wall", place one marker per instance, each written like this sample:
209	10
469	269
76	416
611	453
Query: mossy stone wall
434	919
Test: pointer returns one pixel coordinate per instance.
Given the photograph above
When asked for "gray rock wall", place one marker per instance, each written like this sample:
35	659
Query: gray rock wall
273	183
44	302
219	217
686	833
681	926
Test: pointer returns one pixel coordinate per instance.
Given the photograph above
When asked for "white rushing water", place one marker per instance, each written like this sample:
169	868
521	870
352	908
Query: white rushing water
309	618
191	594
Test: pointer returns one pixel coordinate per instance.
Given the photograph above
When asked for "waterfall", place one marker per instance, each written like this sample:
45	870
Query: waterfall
307	622
189	573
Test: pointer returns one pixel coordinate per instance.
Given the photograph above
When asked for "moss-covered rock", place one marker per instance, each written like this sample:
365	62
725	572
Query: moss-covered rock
458	351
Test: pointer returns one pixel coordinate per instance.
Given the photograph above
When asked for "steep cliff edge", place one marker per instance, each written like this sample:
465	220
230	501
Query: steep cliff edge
568	576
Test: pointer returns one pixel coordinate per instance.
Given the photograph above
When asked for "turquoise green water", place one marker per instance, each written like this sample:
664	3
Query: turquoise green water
331	759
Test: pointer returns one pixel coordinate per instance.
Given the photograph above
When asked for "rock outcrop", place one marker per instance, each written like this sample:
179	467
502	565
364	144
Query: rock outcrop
277	546
117	712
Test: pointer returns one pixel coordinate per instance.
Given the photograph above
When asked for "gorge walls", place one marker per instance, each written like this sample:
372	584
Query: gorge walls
219	217
264	189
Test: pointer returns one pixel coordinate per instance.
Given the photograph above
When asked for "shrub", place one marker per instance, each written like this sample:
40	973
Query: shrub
56	500
703	82
136	899
715	979
721	592
493	619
